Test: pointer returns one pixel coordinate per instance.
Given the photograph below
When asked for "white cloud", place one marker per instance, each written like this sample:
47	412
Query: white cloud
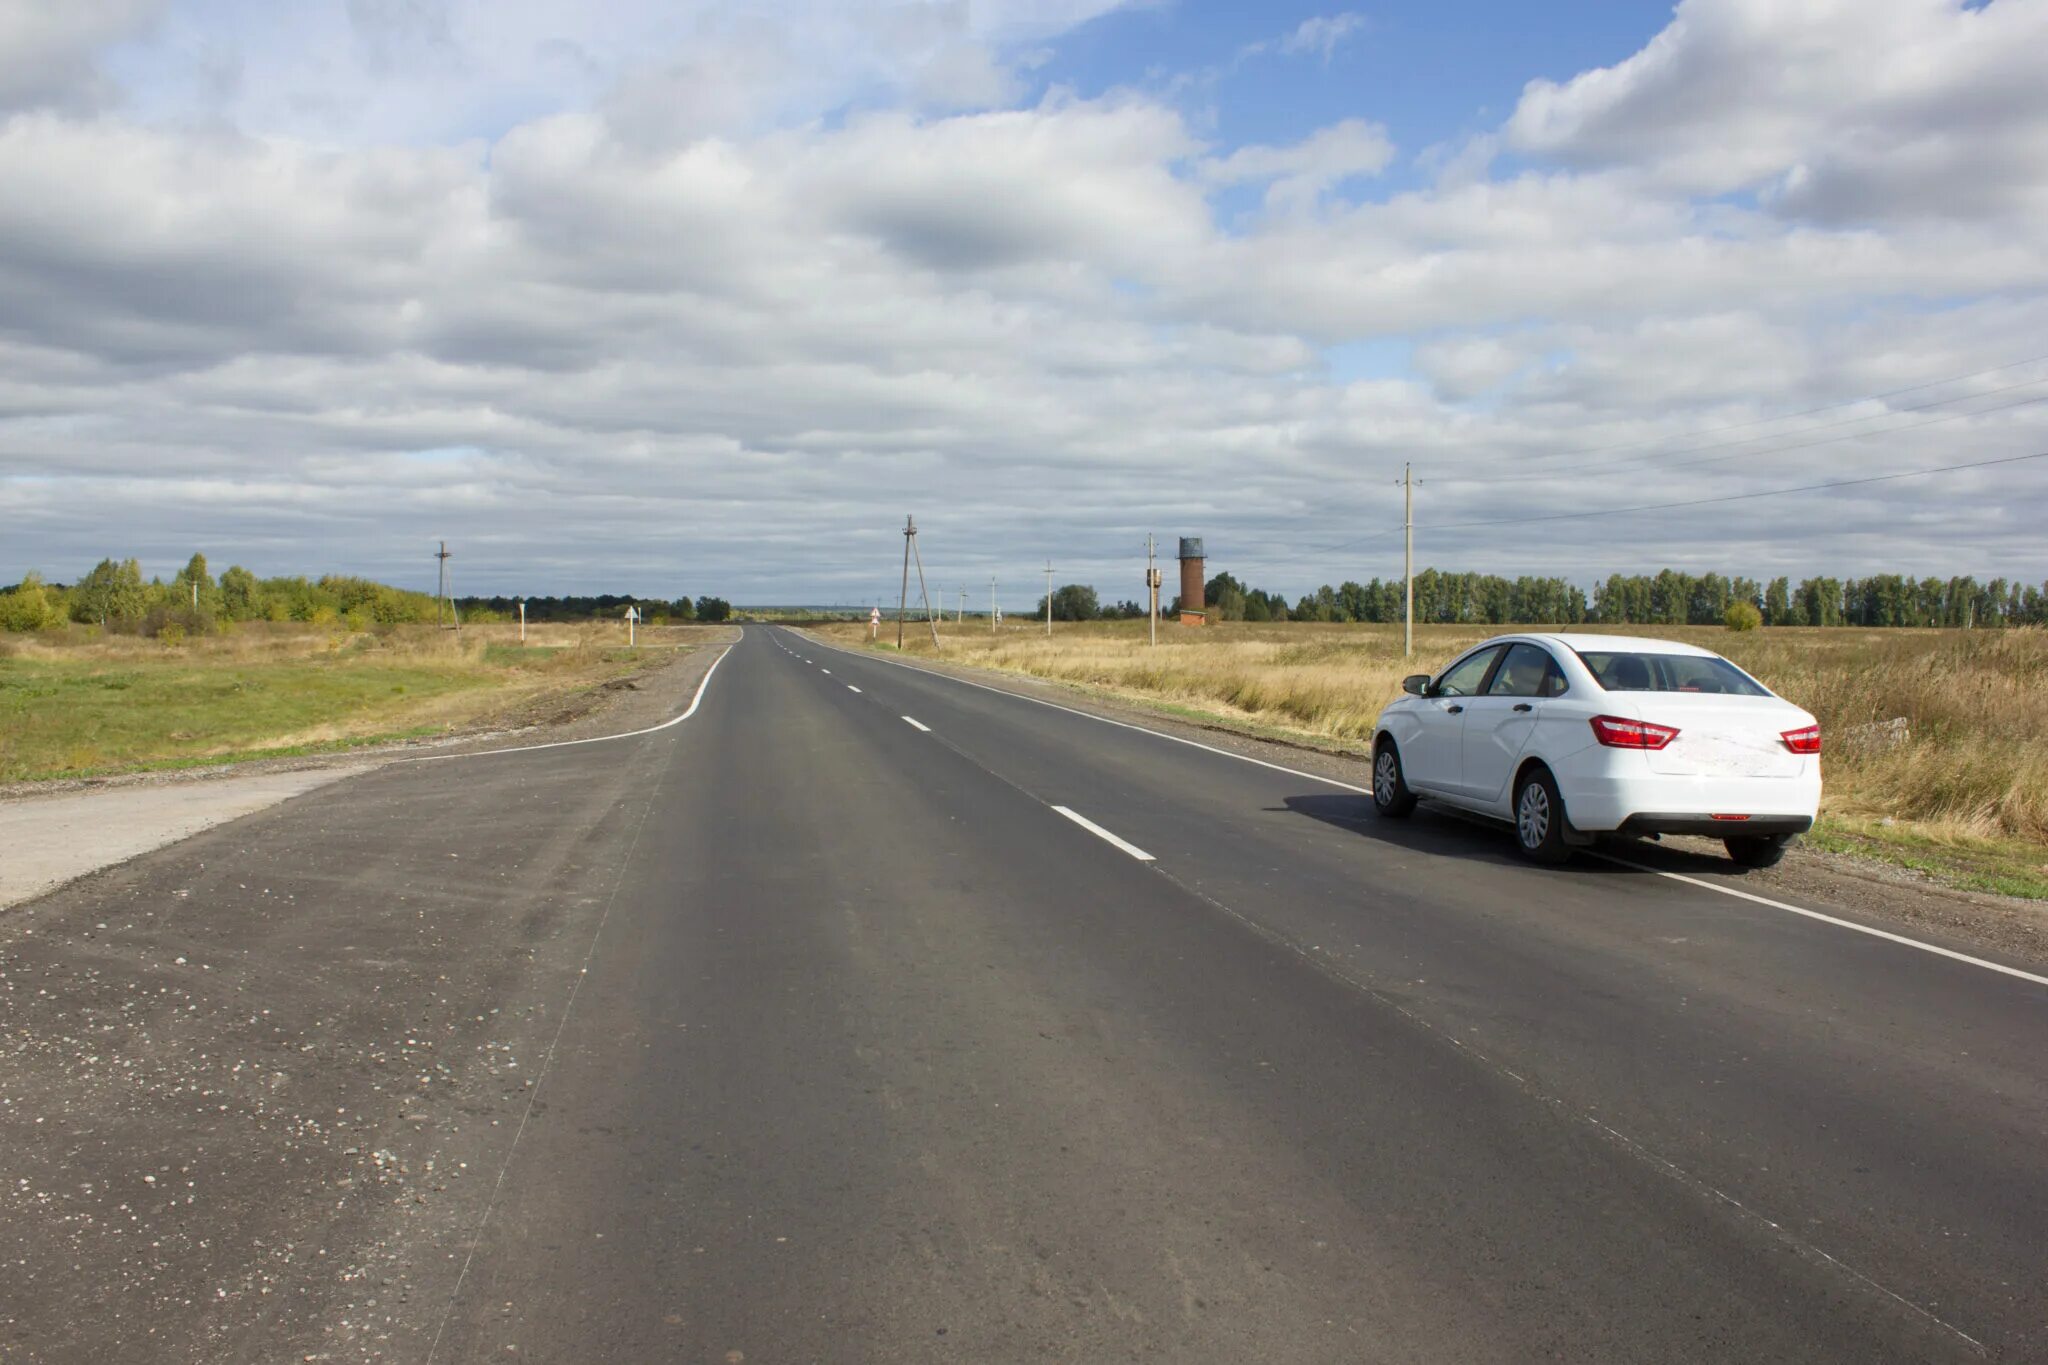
49	51
677	331
1297	176
1321	35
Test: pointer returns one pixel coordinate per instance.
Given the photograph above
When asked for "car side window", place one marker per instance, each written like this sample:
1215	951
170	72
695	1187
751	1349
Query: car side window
1462	679
1528	671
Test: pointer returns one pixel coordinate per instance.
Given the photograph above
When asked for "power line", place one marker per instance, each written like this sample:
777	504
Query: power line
1804	412
1740	497
1818	426
1689	502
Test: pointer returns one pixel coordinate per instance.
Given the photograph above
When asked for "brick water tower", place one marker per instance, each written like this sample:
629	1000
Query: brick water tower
1194	611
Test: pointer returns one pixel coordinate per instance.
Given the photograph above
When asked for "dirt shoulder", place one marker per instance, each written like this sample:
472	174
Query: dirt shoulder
1864	890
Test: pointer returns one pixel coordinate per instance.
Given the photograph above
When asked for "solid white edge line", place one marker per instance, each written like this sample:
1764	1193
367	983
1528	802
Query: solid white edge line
703	683
917	724
1830	919
1085	823
1924	947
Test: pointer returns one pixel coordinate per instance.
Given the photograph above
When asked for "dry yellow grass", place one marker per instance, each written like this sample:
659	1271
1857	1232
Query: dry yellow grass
1976	702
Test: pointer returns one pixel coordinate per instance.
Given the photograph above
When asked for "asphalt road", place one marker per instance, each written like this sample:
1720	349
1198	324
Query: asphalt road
870	1016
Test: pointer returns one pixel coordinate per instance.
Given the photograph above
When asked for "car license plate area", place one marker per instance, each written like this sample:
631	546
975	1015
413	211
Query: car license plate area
1720	755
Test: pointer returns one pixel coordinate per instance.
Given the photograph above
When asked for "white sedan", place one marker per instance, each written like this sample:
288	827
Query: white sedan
1568	736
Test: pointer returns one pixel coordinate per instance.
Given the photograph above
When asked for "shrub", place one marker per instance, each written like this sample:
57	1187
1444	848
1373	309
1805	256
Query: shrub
1743	616
30	606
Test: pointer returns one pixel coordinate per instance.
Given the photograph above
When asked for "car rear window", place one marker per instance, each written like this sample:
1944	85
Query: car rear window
1631	671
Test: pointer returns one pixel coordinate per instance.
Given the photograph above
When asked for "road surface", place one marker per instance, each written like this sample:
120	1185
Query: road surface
868	1015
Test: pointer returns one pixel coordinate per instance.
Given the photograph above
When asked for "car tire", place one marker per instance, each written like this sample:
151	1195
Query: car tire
1390	794
1758	850
1539	818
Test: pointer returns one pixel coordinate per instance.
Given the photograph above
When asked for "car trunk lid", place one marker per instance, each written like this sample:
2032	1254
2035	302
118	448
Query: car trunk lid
1721	736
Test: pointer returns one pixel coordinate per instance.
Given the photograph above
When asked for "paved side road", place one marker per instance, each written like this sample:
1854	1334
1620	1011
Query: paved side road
869	1016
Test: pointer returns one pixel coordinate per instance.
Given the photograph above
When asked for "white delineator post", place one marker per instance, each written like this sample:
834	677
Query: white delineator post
632	618
522	621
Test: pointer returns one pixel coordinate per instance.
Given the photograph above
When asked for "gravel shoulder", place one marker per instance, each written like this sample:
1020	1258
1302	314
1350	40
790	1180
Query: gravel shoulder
1864	890
252	1084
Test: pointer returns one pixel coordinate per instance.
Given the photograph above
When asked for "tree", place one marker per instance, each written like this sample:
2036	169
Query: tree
240	594
29	606
1073	602
713	609
110	593
1778	602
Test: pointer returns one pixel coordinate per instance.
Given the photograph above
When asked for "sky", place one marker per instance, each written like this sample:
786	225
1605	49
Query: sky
703	297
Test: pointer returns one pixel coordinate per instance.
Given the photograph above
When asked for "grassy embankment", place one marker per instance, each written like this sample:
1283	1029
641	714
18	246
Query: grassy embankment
1964	799
79	703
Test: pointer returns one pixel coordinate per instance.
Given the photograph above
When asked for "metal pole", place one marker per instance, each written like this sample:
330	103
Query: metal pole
991	604
903	599
1408	558
1048	599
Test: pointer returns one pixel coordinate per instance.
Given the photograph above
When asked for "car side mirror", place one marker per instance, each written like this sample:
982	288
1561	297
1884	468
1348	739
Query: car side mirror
1416	684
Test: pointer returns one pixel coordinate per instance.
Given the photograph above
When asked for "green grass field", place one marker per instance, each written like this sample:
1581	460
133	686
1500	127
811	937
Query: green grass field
97	705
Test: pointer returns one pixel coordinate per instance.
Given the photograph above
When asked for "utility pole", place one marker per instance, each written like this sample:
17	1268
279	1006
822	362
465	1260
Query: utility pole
1151	588
1408	558
1048	599
961	619
903	598
991	604
441	589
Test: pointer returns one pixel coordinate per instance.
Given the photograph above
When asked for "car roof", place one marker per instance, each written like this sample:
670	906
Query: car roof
1635	644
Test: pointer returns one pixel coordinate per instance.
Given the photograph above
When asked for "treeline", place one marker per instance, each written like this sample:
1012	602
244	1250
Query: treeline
607	605
1670	598
115	595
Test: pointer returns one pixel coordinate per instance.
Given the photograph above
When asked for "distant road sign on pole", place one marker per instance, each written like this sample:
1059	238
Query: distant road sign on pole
632	618
874	623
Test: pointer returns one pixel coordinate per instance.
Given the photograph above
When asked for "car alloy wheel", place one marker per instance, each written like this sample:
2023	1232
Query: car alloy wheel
1386	778
1390	795
1532	815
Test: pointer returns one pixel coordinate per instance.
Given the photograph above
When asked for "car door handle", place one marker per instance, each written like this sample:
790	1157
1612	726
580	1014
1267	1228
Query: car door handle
1523	706
1454	710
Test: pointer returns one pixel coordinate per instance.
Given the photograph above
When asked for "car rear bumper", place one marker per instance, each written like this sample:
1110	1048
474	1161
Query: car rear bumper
1666	822
1647	803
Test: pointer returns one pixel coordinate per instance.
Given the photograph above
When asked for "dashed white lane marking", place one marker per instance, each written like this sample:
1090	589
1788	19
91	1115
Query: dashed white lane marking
917	725
826	671
851	688
1099	832
1899	939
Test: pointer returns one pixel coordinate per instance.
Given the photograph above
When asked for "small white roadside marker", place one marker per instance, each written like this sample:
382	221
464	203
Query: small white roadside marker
1085	823
917	725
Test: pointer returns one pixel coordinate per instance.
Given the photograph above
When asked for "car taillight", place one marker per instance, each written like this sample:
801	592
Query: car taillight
1617	733
1803	741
